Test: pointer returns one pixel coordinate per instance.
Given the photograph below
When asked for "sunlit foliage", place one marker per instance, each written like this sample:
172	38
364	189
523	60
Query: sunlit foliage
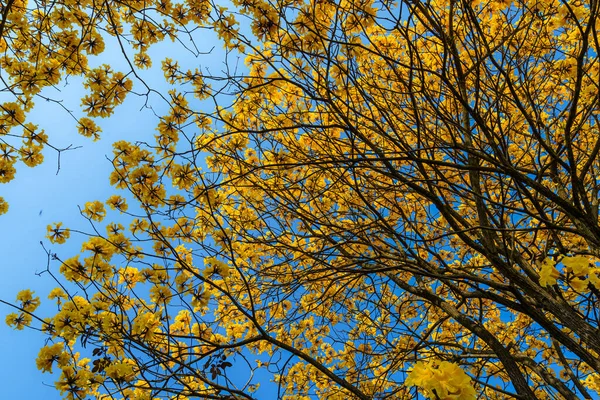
390	198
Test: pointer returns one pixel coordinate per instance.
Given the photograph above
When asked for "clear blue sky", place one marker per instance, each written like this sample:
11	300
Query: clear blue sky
83	177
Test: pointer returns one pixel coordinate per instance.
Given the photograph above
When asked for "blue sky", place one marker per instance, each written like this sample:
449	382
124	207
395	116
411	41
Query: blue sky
83	177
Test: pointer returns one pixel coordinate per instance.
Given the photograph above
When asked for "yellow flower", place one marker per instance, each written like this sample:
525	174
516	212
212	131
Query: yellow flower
117	203
94	210
58	294
579	265
445	380
548	273
456	383
120	371
31	155
28	302
160	294
88	128
146	325
579	284
12	113
3	206
49	354
56	234
216	266
420	374
7	170
130	275
18	321
142	60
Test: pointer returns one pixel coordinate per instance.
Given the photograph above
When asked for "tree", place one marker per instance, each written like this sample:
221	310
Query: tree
399	197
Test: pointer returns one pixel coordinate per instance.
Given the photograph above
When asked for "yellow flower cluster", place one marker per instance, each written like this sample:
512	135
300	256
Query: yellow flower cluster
441	380
579	271
57	234
3	206
27	304
94	210
548	272
50	354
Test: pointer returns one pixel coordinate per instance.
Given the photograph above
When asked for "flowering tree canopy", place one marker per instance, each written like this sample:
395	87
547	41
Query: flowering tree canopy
387	198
